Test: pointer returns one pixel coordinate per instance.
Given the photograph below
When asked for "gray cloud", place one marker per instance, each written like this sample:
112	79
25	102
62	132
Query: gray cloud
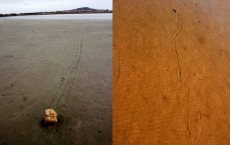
19	6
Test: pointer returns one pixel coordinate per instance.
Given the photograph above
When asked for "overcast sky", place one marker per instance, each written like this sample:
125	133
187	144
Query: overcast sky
19	6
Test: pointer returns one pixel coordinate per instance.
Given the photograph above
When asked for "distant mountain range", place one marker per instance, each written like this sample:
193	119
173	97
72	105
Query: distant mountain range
82	10
85	9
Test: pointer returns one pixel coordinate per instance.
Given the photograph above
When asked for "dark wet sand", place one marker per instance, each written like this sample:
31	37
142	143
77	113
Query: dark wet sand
63	64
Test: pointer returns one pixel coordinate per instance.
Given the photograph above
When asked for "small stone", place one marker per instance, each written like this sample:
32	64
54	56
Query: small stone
50	117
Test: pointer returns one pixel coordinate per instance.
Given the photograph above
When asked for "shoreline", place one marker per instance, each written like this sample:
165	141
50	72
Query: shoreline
51	13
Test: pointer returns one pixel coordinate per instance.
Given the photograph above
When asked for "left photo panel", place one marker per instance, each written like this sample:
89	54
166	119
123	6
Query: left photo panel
56	72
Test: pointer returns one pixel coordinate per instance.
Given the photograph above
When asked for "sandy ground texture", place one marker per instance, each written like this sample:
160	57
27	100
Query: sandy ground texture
60	64
171	72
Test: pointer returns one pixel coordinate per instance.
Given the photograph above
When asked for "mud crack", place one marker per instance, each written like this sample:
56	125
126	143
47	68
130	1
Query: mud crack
175	49
118	68
186	114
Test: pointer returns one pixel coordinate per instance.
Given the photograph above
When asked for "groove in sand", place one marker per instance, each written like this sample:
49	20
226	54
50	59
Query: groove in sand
74	65
175	50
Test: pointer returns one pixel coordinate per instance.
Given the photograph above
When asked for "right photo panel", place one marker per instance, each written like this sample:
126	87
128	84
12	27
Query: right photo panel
171	68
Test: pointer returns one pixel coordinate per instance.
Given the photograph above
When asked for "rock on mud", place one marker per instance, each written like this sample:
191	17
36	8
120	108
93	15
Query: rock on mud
50	117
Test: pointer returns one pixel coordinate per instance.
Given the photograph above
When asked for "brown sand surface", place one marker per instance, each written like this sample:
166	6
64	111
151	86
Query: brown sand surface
62	64
171	72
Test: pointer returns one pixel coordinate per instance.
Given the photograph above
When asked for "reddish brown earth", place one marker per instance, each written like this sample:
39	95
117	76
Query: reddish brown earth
171	72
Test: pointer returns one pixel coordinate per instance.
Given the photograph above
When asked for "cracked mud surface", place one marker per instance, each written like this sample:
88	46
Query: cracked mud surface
152	53
59	64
